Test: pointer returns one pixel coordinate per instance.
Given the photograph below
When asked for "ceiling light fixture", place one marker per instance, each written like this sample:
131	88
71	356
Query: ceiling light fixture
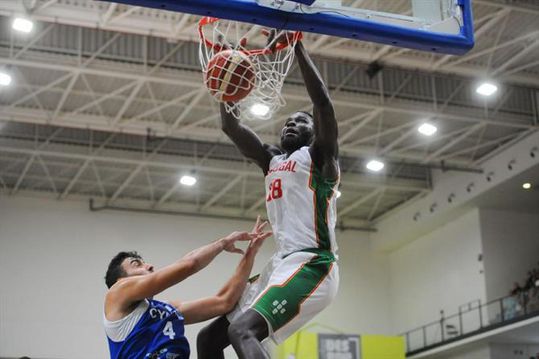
486	89
427	129
5	79
187	180
375	165
259	109
22	25
527	185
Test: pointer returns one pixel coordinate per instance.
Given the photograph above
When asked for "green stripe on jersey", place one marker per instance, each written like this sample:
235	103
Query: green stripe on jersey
323	190
281	303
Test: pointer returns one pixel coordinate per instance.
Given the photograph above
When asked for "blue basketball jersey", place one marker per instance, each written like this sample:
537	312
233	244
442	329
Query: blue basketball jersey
158	334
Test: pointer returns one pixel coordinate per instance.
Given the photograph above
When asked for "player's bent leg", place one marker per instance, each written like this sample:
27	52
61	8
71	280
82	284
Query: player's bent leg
312	304
302	285
213	339
246	333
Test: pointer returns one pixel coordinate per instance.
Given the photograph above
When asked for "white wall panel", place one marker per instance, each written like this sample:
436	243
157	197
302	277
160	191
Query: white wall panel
53	256
511	249
438	271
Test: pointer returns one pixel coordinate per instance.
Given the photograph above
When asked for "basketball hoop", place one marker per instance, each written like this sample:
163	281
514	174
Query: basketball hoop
270	53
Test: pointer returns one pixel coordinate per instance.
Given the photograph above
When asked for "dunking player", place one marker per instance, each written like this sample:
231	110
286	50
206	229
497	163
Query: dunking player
138	326
301	181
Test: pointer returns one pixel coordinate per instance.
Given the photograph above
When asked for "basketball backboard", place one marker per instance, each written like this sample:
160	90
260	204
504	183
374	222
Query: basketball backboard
444	26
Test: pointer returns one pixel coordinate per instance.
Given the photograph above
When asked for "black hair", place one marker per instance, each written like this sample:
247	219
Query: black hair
115	270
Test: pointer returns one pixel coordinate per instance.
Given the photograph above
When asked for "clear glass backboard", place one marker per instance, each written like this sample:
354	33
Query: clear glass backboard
444	26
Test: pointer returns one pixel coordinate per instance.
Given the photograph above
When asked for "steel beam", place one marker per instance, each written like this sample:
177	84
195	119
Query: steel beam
340	101
501	14
222	192
167	195
23	173
360	201
48	174
136	171
65	95
127	103
515	58
452	143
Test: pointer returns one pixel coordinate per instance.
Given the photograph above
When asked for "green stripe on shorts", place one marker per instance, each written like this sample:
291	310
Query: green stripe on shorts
281	303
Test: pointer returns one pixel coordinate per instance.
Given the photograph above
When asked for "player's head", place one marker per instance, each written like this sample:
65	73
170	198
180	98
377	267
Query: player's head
126	264
298	131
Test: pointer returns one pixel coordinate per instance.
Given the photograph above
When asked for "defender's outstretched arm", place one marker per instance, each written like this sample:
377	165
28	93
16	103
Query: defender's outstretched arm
227	297
132	289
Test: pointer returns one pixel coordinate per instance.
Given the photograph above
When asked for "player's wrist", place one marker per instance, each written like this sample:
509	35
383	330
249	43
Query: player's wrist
250	251
222	243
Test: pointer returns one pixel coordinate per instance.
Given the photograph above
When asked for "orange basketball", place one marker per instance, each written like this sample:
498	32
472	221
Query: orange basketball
230	76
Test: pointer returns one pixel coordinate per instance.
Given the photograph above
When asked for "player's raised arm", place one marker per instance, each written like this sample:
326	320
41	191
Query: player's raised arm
325	146
132	289
227	297
246	140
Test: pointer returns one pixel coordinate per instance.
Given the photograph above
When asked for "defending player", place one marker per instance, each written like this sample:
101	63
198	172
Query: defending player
301	180
137	326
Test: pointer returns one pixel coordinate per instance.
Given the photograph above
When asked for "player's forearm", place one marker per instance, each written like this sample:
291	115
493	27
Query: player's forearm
313	80
245	139
139	287
203	256
233	288
231	126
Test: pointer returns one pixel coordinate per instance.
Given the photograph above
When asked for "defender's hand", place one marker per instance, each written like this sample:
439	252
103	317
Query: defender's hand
260	235
230	240
259	226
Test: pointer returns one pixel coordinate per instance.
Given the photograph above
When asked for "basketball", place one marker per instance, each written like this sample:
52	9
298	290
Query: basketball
230	76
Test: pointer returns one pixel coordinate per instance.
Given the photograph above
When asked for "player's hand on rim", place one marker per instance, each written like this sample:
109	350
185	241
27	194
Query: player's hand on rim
276	37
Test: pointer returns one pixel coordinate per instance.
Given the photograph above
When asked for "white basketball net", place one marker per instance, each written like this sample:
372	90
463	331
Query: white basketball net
271	61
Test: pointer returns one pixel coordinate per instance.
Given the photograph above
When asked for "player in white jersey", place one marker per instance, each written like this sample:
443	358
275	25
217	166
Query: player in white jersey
301	176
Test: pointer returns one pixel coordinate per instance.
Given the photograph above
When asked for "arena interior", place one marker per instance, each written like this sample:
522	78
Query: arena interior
104	118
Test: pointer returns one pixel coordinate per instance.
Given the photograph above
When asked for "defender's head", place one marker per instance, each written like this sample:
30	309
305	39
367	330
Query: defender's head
126	264
298	131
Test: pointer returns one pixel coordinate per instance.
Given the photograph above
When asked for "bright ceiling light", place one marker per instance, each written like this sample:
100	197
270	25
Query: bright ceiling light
188	180
5	79
22	25
259	109
375	165
427	129
527	185
487	89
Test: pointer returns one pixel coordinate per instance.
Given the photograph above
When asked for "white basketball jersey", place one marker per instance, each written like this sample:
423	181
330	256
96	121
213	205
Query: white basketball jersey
301	204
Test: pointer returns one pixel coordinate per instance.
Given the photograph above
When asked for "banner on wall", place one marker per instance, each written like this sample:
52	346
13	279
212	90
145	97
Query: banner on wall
306	344
338	346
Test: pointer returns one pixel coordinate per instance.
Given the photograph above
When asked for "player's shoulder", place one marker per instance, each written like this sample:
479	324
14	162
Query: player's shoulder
158	303
272	150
